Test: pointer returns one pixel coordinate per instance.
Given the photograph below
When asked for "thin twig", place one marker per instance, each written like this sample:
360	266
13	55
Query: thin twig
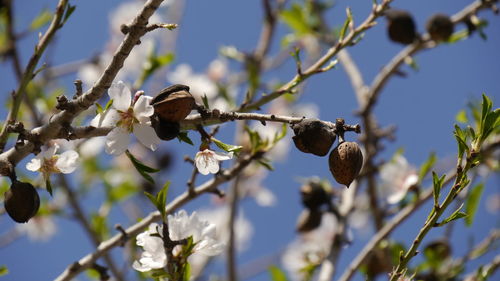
231	249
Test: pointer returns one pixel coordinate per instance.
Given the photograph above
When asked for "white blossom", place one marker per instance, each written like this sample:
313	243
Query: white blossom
127	116
38	228
310	249
47	161
182	226
207	161
154	256
397	178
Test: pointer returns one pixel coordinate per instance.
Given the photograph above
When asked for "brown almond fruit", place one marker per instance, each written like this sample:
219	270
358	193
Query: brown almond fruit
309	220
401	26
313	136
440	27
173	103
345	162
21	201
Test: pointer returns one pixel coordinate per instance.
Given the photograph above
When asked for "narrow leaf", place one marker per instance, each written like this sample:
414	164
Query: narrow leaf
473	202
138	164
436	188
183	137
426	166
48	185
42	19
69	11
281	134
455	216
266	164
3	270
227	147
161	199
204	98
276	273
461	117
346	24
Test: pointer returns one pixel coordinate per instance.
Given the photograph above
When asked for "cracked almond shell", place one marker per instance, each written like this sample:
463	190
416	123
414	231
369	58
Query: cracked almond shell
173	103
345	162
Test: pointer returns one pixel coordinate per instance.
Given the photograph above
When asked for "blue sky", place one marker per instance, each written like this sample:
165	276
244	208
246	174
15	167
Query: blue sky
422	106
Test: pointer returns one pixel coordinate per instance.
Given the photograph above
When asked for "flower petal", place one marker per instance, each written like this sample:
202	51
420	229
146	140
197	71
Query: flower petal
221	156
110	118
147	136
143	109
121	96
35	164
206	163
397	196
67	162
117	141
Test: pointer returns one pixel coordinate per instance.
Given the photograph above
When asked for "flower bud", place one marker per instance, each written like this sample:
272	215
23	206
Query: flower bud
440	27
173	103
313	136
345	162
21	201
401	27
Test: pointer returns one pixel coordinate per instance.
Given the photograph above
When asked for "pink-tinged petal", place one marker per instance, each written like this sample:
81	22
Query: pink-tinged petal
206	163
35	164
121	96
147	136
143	109
117	141
67	162
221	156
110	118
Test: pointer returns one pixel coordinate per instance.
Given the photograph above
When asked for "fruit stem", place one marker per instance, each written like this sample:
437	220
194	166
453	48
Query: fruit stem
339	129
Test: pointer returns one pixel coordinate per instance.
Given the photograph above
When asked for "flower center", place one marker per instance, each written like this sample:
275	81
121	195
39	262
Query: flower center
49	165
127	119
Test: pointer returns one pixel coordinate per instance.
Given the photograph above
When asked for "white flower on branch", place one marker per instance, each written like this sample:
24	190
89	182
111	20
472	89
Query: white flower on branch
154	256
397	178
48	162
127	116
182	226
207	161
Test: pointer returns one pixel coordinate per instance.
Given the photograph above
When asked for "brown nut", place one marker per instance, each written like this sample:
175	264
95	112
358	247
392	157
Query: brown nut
165	130
345	162
309	220
173	103
21	201
401	27
440	27
313	136
314	195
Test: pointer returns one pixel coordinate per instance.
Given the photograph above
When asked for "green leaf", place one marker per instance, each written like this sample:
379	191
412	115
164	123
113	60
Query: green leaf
69	10
108	104
461	141
455	216
99	109
3	270
227	147
458	36
183	137
142	168
346	24
48	185
160	200
426	166
436	187
204	98
276	273
187	272
296	19
486	108
99	225
473	202
266	164
43	18
461	117
281	134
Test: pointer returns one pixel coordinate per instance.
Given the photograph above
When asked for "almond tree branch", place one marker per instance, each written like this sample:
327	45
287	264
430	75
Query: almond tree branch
426	43
321	62
82	218
28	74
10	158
104	247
